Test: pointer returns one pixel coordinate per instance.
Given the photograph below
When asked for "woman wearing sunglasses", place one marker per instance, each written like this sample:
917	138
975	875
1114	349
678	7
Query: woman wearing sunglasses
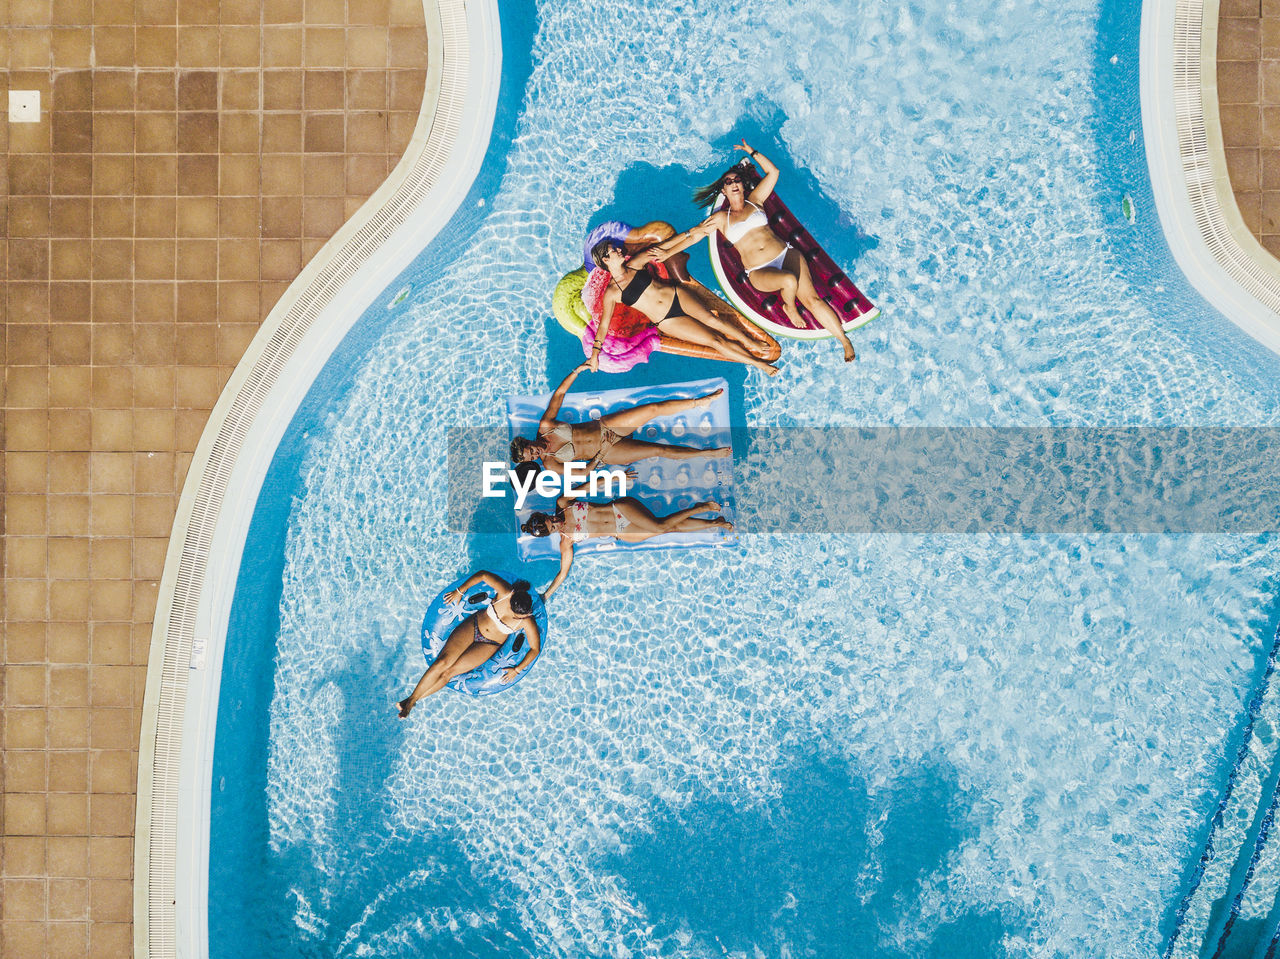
625	520
771	264
480	635
607	440
673	311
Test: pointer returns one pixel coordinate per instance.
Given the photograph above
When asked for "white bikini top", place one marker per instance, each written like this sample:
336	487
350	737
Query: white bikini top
736	231
498	624
564	433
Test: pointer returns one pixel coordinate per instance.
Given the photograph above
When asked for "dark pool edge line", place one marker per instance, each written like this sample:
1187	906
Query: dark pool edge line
1209	851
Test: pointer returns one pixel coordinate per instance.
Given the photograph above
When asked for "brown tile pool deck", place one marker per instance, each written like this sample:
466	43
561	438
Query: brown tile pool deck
192	155
1249	101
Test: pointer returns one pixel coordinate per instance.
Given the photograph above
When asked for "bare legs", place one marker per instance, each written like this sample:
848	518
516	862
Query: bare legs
736	341
798	285
696	329
644	525
629	450
770	280
460	654
630	420
819	307
726	326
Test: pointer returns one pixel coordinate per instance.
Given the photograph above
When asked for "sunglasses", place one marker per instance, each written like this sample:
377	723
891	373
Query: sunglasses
731	179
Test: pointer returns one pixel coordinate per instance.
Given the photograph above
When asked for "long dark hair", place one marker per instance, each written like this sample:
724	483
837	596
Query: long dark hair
521	599
523	468
706	195
539	524
519	446
599	251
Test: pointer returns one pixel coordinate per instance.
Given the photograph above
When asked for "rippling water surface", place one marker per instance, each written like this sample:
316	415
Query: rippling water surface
863	745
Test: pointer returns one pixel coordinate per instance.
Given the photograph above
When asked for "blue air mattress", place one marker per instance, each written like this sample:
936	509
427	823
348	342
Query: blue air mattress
663	485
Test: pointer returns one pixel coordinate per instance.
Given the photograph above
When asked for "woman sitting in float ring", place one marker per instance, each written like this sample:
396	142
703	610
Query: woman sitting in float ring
607	440
659	300
771	264
478	637
626	520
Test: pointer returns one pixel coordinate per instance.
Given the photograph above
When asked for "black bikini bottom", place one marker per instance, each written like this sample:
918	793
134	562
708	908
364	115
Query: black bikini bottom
676	308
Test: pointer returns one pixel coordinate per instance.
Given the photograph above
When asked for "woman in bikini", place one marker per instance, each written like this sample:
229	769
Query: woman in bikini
626	520
607	440
660	301
771	264
480	635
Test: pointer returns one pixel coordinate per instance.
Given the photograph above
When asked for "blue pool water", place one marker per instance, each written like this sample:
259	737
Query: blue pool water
888	745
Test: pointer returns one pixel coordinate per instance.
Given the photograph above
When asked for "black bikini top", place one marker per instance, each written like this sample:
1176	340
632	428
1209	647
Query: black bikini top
635	289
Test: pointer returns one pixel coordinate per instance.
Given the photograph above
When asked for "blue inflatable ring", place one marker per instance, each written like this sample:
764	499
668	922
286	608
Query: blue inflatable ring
443	617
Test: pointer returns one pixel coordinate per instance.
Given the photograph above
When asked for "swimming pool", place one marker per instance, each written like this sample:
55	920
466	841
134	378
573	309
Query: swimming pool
829	745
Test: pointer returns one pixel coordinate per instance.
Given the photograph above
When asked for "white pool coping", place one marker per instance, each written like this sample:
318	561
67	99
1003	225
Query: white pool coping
179	715
1188	166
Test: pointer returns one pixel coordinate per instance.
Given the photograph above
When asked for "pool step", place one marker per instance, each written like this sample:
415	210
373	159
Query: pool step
1222	883
1241	916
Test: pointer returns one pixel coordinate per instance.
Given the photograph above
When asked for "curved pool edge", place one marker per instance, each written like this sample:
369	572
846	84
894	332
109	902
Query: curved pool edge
295	341
1188	167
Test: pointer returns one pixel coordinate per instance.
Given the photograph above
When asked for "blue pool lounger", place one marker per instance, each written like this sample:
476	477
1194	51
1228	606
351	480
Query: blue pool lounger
443	617
663	485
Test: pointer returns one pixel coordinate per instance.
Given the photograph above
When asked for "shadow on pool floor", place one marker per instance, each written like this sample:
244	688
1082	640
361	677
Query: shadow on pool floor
795	874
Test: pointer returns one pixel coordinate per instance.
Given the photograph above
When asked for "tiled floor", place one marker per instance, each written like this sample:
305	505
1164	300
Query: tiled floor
192	156
1249	102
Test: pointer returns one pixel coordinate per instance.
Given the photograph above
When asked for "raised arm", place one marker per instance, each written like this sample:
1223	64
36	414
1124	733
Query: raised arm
602	330
657	251
497	583
566	563
557	399
682	241
765	187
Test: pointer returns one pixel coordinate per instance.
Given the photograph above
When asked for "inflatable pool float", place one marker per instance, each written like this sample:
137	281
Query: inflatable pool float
631	339
663	485
629	325
765	309
443	617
